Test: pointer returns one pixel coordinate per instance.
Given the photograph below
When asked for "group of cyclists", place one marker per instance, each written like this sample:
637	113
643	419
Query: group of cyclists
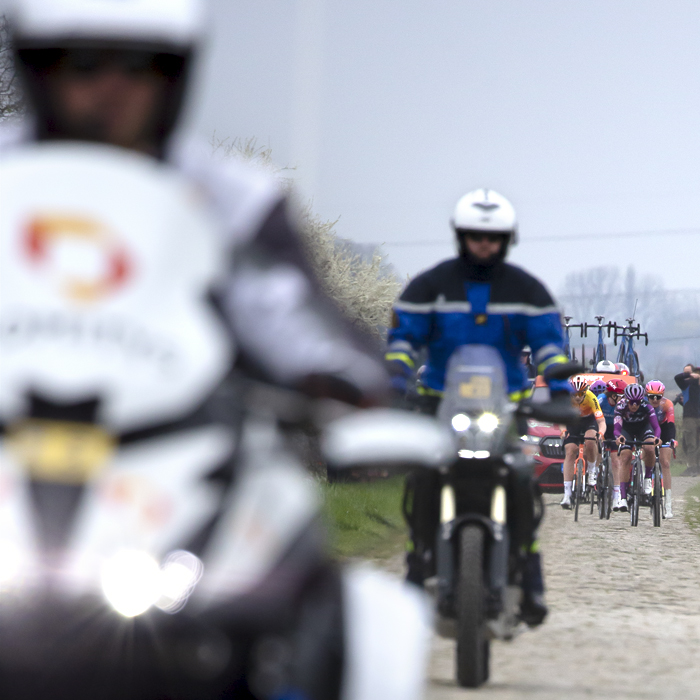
620	413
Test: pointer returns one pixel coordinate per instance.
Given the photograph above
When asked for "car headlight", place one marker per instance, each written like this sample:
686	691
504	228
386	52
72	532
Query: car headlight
487	422
531	439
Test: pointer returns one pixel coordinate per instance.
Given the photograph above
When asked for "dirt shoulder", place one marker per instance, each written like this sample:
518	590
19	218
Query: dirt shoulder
625	615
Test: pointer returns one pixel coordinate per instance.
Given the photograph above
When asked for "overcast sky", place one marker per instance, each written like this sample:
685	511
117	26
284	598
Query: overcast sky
585	113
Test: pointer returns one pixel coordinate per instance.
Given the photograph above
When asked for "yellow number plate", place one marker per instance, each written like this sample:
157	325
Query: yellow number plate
60	451
478	387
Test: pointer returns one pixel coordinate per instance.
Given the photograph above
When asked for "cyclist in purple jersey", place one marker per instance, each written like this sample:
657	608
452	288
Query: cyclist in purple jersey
636	420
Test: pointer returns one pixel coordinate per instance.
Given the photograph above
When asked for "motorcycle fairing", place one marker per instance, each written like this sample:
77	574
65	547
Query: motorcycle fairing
106	260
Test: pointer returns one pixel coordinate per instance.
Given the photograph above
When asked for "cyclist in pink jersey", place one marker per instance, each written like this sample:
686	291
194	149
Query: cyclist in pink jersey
664	413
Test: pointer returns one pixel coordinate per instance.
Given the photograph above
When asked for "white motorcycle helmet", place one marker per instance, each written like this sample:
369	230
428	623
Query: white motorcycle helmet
606	366
44	32
486	211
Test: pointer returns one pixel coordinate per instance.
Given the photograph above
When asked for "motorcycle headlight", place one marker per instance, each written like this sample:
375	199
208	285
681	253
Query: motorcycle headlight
474	454
487	422
179	576
11	564
461	422
133	581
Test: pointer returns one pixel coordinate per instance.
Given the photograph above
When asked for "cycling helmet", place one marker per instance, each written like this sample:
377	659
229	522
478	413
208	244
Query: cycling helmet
598	386
622	368
616	386
606	366
655	387
484	211
578	383
168	31
634	392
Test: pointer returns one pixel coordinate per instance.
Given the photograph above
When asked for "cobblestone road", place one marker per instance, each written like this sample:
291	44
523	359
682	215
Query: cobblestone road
624	621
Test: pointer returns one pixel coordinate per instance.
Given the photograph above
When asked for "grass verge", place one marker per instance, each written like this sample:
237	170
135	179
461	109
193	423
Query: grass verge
365	519
692	507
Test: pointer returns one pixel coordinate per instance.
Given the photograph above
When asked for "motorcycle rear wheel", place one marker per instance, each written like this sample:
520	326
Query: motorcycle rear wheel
473	646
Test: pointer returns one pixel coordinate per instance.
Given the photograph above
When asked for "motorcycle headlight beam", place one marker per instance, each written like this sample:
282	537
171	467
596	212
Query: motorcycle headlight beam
487	422
131	582
461	422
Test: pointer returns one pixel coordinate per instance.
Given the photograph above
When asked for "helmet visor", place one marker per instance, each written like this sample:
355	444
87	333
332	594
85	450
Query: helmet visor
89	61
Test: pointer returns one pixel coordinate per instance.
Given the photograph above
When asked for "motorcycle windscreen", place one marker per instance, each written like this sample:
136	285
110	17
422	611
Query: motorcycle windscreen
475	381
475	403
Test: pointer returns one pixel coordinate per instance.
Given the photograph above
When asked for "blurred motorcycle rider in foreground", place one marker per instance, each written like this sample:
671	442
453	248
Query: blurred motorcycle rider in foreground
476	298
117	74
114	74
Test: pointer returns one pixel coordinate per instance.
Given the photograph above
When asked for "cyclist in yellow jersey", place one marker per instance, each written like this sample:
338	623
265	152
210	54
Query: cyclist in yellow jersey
592	422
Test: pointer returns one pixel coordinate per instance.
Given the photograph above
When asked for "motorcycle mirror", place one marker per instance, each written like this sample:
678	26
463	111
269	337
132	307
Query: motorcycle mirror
387	437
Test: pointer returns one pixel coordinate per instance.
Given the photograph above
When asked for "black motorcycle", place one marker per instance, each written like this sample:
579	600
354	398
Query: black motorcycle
478	572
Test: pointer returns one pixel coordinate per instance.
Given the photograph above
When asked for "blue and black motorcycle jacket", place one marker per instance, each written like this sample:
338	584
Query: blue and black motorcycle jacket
460	303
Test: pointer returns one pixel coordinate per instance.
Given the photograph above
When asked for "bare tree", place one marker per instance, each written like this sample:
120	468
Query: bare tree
10	95
670	317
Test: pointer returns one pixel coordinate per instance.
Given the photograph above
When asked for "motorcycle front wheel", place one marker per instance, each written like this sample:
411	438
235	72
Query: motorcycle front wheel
473	646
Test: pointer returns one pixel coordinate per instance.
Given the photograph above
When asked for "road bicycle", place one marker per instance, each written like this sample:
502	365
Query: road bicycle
635	490
571	354
599	354
657	490
627	354
605	486
581	490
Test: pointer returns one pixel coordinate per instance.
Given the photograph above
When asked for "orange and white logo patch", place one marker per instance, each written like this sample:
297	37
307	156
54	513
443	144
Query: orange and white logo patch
80	254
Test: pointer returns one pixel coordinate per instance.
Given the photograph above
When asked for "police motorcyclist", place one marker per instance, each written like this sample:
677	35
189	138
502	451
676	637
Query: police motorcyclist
476	298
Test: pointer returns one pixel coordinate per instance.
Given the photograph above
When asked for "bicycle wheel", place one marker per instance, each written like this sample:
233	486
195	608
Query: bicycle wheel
609	492
636	492
579	477
602	487
657	495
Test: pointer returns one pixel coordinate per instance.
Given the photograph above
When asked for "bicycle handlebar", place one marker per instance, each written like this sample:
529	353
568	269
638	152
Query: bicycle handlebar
636	443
